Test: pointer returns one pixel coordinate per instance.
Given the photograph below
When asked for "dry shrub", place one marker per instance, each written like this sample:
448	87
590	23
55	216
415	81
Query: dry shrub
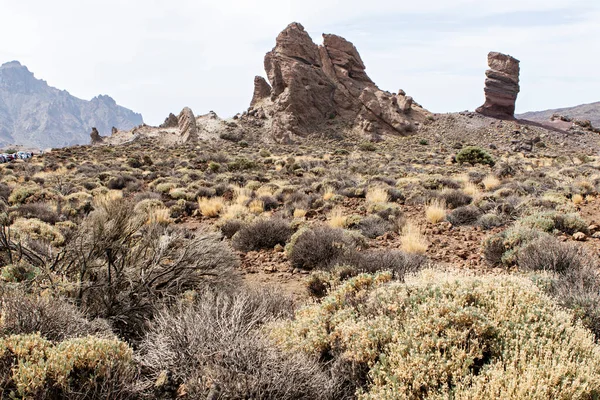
320	247
454	198
262	234
124	269
34	229
337	219
466	215
578	199
412	239
229	357
373	226
442	335
53	318
230	227
547	253
377	195
211	207
579	290
436	211
490	182
41	211
256	206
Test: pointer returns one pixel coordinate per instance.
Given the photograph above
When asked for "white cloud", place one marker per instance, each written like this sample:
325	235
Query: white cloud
156	57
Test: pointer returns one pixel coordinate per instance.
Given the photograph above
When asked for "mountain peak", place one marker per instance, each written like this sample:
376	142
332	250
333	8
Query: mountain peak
35	114
11	64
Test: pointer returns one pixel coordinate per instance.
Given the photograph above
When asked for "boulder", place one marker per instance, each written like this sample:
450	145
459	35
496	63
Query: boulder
312	85
187	125
501	86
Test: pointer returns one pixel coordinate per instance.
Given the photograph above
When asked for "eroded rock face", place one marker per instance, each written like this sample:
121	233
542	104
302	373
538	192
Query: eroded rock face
312	86
187	125
262	91
501	86
170	122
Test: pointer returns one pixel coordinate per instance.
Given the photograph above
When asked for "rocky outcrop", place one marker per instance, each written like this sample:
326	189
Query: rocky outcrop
34	114
187	125
501	86
262	91
95	136
170	122
312	87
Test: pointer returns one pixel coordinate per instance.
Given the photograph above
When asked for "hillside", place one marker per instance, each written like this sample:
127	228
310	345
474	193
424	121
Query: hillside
333	242
589	112
32	113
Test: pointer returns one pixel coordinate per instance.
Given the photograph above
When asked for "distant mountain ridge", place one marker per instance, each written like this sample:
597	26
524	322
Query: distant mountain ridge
32	113
589	112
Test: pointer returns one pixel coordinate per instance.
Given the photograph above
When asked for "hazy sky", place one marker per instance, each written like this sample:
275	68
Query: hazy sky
157	56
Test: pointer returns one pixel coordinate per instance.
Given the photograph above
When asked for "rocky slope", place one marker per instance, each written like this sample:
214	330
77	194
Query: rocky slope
35	114
582	112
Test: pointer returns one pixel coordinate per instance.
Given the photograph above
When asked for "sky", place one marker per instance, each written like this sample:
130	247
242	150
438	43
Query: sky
158	56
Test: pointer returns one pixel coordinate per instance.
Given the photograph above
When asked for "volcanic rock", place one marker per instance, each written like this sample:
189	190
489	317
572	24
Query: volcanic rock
313	87
262	90
170	122
95	136
501	86
187	125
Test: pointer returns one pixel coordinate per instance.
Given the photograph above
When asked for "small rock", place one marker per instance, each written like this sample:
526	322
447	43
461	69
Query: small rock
580	236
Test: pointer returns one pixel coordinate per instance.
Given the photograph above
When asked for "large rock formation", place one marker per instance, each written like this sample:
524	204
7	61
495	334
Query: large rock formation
315	86
187	125
37	115
501	86
95	136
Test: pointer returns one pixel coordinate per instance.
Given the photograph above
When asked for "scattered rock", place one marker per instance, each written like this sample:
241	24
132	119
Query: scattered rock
501	86
579	236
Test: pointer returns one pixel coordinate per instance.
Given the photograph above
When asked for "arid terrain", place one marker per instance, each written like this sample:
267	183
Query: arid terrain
329	243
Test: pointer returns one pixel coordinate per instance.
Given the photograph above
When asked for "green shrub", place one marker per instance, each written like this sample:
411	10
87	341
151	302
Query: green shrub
549	221
441	336
79	368
474	155
367	146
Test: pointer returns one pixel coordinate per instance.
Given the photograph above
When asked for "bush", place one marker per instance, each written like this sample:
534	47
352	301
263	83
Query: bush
474	155
489	221
21	194
466	215
124	269
41	211
441	335
320	247
551	220
230	227
455	198
53	318
80	368
34	229
549	254
229	357
373	226
262	234
578	290
502	248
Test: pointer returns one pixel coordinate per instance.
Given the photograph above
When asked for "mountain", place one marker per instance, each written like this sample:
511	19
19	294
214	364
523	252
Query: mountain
589	112
32	113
